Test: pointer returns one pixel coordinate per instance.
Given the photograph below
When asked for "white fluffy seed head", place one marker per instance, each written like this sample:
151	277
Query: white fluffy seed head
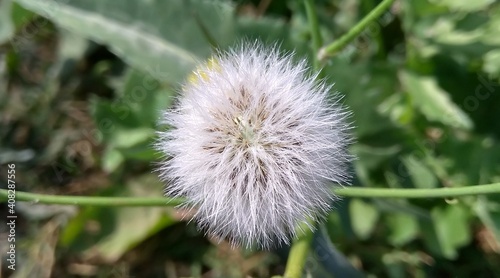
254	144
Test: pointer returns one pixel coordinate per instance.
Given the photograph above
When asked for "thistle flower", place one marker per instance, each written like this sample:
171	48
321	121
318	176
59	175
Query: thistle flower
254	144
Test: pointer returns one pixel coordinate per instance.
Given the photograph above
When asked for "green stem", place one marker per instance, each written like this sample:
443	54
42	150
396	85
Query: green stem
337	45
413	193
317	41
359	192
298	253
92	200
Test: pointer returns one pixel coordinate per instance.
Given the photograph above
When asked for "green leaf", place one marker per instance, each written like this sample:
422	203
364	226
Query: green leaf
373	85
21	16
111	160
329	260
145	97
108	233
161	37
126	138
403	228
6	25
142	152
489	213
364	216
420	174
451	227
465	5
492	63
433	102
371	157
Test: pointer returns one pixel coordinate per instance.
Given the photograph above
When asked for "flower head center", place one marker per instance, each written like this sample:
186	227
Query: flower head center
246	130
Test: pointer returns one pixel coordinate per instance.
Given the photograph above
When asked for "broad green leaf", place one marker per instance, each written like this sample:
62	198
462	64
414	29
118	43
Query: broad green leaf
451	227
363	87
109	232
125	138
492	63
111	160
21	16
143	151
397	109
6	25
110	116
145	96
420	174
162	37
139	103
127	144
364	216
464	5
371	157
403	228
430	237
433	102
401	206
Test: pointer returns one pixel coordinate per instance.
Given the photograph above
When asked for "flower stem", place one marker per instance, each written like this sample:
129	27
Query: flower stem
337	45
91	200
413	193
359	192
317	41
298	253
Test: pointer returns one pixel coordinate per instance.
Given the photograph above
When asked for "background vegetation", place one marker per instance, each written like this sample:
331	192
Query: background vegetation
82	83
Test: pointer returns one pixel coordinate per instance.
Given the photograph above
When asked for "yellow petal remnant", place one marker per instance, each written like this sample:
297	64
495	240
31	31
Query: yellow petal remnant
201	71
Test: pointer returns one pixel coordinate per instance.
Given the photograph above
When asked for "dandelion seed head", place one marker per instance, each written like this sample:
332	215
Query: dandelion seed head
255	144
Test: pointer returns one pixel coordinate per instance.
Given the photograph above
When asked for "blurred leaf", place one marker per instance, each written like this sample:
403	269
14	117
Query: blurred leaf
492	63
71	49
110	116
111	160
420	174
363	83
371	157
150	35
142	151
489	213
481	165
397	263
451	227
6	25
164	38
134	112
397	109
430	238
403	228
401	206
433	102
145	96
465	5
364	216
40	257
332	263
21	16
109	232
126	138
127	144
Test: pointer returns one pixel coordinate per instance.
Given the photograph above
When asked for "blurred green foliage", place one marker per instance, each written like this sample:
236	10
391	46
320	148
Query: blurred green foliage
83	83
